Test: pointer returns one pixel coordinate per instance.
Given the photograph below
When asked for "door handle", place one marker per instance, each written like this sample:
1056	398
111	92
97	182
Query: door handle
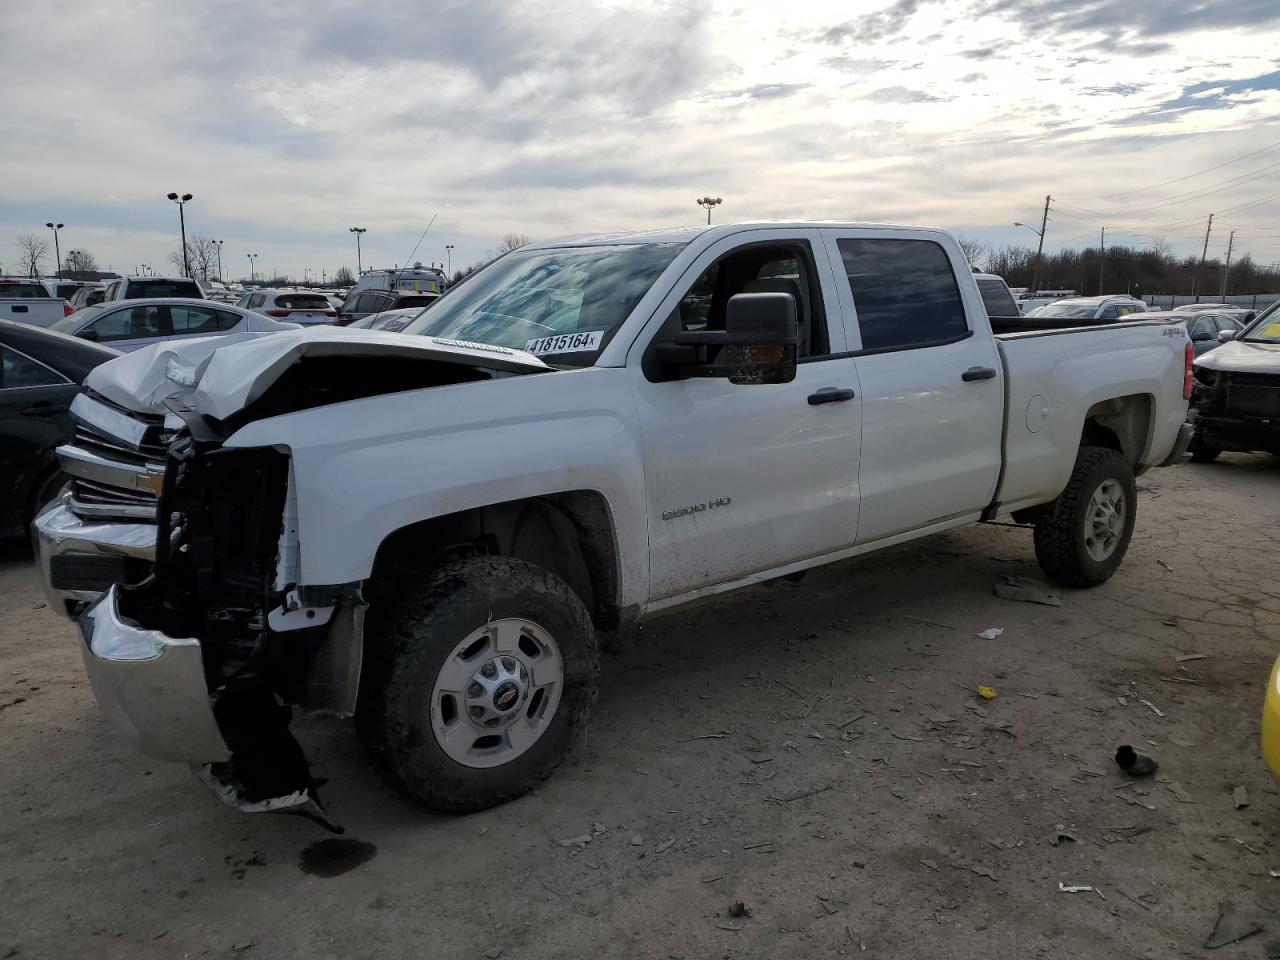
19	308
978	373
830	395
42	408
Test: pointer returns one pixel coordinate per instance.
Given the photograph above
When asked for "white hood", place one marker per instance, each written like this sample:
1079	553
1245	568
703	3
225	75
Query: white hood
1240	356
218	376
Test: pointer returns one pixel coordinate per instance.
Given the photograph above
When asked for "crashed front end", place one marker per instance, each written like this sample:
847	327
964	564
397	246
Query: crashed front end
199	662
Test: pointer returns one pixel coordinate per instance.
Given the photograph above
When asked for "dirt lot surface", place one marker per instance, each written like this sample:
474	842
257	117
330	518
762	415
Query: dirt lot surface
816	751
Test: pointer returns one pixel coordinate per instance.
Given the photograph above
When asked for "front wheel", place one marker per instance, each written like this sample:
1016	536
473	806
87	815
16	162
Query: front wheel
1082	538
475	693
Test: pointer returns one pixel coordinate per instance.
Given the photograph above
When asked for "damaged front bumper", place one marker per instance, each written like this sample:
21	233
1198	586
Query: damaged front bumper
150	687
80	558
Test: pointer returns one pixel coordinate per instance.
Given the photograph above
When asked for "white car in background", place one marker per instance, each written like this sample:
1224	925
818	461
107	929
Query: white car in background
1089	308
129	324
299	306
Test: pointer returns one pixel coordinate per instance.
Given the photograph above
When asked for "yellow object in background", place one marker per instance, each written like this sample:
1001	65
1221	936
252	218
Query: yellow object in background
987	693
1271	721
1270	330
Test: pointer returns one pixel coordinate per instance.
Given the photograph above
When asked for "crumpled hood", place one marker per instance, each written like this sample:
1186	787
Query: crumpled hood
1236	355
218	376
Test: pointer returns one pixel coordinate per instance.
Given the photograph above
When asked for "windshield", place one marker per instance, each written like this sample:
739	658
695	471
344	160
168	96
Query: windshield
1069	311
1266	329
563	303
73	321
163	288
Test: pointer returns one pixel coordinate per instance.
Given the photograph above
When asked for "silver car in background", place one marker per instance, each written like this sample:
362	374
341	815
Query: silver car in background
299	306
130	324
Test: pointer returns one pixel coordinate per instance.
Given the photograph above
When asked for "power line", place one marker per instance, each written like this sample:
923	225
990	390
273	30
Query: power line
1225	163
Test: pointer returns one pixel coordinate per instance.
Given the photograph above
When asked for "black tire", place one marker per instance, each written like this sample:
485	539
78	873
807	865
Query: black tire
1060	535
406	649
1201	452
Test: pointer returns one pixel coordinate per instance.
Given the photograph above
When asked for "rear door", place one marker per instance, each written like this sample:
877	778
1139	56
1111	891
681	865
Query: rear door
931	381
129	328
34	400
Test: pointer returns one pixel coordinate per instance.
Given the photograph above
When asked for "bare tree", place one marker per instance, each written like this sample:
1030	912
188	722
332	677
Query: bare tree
31	250
513	241
80	262
975	251
202	253
344	277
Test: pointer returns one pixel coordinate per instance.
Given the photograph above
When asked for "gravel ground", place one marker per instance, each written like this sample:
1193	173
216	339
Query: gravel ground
815	751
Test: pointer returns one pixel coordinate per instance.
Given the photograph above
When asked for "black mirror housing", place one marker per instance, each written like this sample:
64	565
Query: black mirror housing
763	336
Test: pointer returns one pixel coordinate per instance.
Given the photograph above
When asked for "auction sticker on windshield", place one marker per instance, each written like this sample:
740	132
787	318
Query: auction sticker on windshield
582	342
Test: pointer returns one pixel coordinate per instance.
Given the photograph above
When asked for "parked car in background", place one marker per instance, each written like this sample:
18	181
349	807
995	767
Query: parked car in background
1089	308
88	295
391	321
298	306
130	324
361	305
28	300
1029	301
585	432
1242	314
996	295
138	288
66	289
216	290
40	374
1236	405
416	279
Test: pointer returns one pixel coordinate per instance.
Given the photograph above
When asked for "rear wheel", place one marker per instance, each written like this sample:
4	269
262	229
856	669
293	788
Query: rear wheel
477	690
1082	537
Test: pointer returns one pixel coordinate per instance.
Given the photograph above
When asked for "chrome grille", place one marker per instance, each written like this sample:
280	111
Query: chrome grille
90	498
116	461
150	451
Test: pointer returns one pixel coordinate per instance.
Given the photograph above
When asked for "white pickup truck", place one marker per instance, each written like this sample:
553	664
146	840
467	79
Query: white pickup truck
29	300
427	529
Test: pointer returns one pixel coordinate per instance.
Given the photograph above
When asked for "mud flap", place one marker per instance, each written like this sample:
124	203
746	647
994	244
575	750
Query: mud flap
267	772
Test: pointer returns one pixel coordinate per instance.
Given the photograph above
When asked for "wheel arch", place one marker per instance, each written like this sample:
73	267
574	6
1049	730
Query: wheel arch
571	533
1123	424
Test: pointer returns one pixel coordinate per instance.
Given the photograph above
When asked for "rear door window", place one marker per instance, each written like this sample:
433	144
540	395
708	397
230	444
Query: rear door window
904	293
194	321
17	370
997	299
373	302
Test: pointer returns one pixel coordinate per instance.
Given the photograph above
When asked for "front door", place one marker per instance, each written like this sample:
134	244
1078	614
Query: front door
746	478
931	380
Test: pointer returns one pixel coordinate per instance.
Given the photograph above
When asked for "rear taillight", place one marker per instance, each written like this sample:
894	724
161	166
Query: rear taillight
67	310
1189	371
330	313
278	313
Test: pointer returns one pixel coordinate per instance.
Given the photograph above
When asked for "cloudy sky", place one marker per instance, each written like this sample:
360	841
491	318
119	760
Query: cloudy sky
292	120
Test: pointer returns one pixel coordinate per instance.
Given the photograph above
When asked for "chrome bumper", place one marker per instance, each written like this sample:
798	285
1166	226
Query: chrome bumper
150	687
80	558
1179	452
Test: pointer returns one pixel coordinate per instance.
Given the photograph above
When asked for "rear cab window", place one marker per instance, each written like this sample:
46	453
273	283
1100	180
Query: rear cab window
164	288
302	301
11	290
905	293
997	299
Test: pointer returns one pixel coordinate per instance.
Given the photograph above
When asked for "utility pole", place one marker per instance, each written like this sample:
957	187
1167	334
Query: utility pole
1231	241
448	252
1195	279
1102	264
1044	222
359	263
55	227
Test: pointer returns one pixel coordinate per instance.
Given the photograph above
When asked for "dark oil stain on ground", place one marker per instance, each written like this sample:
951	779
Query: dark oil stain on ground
333	857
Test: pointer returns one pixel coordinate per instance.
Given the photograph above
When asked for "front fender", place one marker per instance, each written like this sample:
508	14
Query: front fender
369	467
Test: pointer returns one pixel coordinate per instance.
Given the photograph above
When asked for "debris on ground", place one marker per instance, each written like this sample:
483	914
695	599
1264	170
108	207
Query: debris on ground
987	693
1188	657
1135	764
580	841
1231	927
1074	887
1240	797
990	633
1180	792
1028	591
665	845
739	909
1062	835
1151	706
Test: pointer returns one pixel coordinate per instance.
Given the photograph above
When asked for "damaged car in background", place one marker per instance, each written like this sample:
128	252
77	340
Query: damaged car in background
1236	405
426	530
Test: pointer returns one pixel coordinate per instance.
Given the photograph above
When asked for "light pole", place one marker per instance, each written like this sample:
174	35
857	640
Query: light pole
709	203
55	227
73	261
448	254
1035	271
182	222
252	257
359	263
219	243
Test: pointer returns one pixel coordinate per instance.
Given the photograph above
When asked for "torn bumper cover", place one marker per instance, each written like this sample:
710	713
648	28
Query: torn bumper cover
80	558
150	687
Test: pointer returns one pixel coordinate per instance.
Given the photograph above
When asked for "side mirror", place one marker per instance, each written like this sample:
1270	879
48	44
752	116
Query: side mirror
1200	336
763	336
1225	335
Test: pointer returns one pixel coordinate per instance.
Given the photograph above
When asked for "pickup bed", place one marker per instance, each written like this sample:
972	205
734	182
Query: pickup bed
428	529
29	301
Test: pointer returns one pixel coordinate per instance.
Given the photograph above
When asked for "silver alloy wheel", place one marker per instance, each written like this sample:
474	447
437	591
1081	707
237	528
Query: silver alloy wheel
1104	523
497	693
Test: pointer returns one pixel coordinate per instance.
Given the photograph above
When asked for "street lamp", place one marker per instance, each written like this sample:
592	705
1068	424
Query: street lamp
448	253
252	257
709	203
55	227
219	243
1035	271
182	221
359	263
1019	223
